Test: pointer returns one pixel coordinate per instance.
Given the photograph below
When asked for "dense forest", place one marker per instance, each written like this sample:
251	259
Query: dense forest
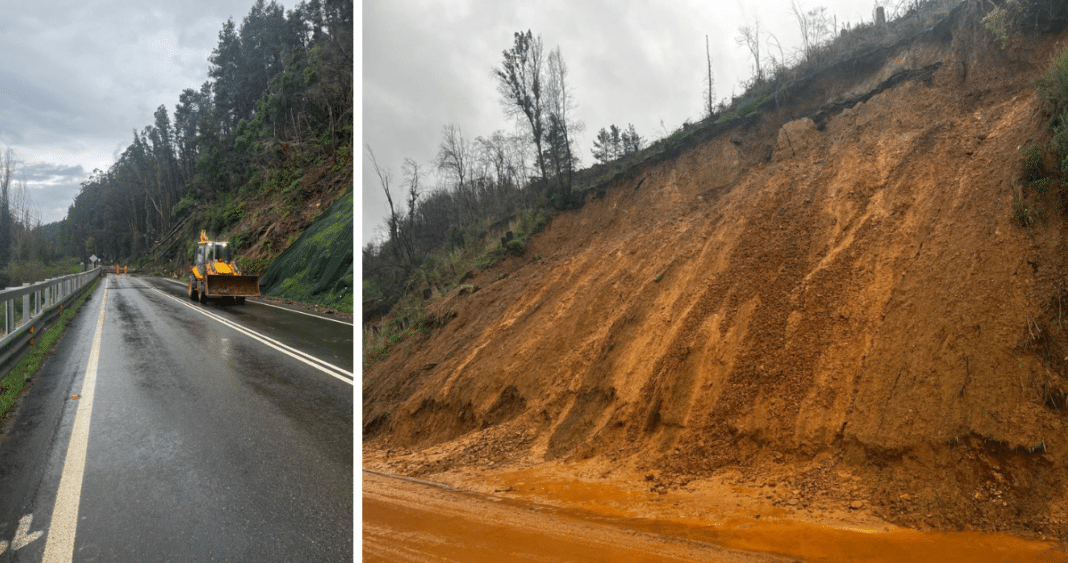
278	102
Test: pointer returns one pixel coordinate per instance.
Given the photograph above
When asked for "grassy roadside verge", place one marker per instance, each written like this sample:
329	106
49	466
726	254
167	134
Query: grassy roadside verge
31	271
12	384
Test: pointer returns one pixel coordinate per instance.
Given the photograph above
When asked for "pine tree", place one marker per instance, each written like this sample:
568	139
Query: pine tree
602	146
226	61
631	142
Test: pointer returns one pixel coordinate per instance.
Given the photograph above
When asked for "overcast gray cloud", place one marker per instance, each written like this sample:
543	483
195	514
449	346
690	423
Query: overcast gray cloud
47	173
77	78
428	63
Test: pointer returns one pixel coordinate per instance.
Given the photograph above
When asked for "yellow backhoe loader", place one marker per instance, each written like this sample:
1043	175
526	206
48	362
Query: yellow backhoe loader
216	276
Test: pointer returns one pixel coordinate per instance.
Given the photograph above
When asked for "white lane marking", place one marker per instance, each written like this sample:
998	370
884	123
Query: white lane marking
338	321
327	368
60	544
258	302
23	537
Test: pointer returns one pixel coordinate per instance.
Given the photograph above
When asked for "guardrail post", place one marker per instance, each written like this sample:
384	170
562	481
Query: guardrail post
25	305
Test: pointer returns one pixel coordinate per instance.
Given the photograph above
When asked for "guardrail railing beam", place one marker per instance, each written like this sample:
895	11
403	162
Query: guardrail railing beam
37	299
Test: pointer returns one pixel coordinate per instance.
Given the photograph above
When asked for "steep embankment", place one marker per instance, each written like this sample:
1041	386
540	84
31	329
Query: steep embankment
293	228
317	267
849	304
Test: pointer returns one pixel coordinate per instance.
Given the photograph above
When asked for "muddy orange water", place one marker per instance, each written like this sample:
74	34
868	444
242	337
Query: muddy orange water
404	520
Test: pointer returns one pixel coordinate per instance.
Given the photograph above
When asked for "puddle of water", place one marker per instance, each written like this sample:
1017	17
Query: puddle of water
773	532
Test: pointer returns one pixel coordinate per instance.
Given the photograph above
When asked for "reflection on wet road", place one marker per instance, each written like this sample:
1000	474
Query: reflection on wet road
205	444
321	336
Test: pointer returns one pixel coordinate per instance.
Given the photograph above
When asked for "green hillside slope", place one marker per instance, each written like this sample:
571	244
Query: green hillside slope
317	267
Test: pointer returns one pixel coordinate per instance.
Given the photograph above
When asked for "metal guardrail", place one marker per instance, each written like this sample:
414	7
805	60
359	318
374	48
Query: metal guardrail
40	302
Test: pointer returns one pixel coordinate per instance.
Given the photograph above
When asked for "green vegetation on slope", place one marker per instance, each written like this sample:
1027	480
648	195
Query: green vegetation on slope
1038	180
317	267
278	106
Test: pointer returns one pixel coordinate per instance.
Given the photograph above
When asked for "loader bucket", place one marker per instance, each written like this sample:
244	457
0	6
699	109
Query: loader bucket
232	286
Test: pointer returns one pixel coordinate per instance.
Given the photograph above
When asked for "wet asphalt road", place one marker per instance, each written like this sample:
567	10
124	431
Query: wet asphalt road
205	442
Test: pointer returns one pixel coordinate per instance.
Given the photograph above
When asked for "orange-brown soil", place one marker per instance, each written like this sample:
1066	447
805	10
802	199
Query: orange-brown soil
573	512
842	307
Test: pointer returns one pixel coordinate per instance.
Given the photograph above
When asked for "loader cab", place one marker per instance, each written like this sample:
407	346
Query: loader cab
219	251
212	251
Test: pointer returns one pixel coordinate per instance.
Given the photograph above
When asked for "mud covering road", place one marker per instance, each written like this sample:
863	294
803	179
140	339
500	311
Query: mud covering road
406	520
587	512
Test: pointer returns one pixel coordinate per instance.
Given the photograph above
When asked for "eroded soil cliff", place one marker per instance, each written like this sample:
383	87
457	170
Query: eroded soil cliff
834	295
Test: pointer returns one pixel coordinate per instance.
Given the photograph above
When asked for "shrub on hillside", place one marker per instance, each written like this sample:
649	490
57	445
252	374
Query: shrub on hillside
1034	170
1059	143
516	247
997	21
183	207
1021	215
531	221
1027	16
1053	86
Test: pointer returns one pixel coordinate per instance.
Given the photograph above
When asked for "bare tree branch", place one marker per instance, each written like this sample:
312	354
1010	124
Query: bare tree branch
519	80
749	37
384	179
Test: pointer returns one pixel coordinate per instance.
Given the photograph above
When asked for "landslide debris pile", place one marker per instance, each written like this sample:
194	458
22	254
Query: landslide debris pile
846	299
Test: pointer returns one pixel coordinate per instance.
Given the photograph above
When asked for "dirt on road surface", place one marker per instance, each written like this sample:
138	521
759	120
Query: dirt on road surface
408	521
563	513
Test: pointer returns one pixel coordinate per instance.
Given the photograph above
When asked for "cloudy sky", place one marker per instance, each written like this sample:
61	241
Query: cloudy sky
77	77
428	63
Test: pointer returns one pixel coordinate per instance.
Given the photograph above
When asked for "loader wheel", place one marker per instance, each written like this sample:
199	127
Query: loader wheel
192	292
203	298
